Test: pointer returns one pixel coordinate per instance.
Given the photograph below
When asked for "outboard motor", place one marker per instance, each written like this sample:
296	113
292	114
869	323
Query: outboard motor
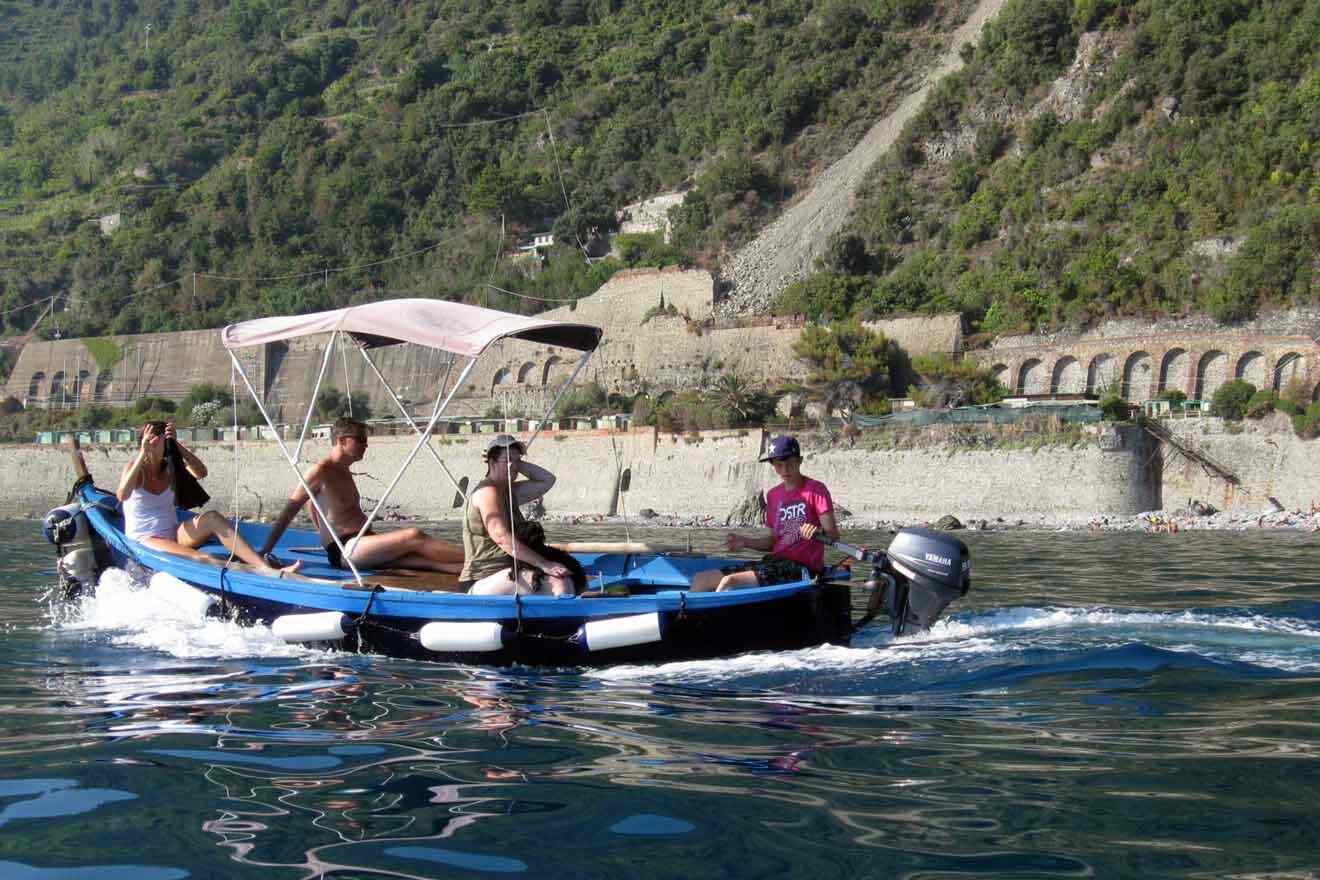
75	546
930	569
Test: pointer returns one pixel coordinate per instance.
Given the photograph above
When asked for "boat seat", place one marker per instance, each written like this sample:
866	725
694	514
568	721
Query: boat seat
410	579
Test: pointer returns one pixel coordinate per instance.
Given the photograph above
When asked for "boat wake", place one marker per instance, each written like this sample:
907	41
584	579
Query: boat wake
965	648
131	614
990	648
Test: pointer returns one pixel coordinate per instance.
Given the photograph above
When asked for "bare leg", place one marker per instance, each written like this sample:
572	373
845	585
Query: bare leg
419	549
717	580
739	580
197	531
705	581
501	584
557	586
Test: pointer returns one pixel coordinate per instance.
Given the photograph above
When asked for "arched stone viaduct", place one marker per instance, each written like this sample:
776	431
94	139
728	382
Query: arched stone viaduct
1140	367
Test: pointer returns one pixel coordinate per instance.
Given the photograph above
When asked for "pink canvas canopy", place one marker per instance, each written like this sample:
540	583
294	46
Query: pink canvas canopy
449	326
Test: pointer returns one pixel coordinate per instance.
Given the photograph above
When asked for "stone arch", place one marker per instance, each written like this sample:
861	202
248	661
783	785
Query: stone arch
1000	374
1101	375
1068	377
80	384
550	364
1136	376
1251	368
524	371
56	385
34	386
1290	366
1211	372
1173	370
502	376
105	383
1031	378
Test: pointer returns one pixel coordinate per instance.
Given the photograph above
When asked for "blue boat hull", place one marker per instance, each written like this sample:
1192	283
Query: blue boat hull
537	630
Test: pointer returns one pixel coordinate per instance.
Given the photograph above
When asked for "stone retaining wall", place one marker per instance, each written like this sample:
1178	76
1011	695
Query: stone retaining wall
694	475
1268	458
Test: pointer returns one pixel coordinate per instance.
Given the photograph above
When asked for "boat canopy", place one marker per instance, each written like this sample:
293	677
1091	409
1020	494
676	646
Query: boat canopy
449	326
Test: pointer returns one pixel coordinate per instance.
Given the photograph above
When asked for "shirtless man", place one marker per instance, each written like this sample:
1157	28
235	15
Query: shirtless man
337	494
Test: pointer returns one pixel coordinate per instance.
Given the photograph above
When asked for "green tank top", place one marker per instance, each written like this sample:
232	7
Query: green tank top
481	555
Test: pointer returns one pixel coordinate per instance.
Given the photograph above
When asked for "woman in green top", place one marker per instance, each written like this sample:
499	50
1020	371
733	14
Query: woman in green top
492	551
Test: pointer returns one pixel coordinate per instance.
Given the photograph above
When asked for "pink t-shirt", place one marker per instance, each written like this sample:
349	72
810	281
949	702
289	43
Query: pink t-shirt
786	510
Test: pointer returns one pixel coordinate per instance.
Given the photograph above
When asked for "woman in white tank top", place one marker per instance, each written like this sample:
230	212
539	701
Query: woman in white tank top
146	489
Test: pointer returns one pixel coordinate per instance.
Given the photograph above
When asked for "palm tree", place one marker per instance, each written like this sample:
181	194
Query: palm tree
735	394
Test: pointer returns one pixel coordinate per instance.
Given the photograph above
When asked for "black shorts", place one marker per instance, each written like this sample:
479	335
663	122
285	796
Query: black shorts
332	554
770	570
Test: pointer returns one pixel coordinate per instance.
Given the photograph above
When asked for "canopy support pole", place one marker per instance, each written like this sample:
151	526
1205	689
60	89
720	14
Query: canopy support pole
554	404
293	463
311	404
417	447
403	411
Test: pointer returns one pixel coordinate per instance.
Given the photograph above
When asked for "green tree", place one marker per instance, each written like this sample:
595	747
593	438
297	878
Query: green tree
204	392
1231	399
331	404
945	382
744	401
849	364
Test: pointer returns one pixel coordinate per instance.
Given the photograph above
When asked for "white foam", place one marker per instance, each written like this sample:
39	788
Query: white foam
1287	644
1005	620
136	616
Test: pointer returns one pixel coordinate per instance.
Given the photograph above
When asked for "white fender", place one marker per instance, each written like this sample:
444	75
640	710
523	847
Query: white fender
322	626
621	632
451	636
185	597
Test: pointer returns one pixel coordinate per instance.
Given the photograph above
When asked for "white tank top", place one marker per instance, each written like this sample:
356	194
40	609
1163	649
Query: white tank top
151	516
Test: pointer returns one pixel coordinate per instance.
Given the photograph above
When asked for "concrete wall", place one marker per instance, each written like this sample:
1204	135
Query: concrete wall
658	355
674	353
150	364
703	476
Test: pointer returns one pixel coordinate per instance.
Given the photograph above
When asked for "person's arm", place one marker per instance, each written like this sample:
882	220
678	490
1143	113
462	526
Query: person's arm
827	526
131	478
823	505
496	522
190	459
291	507
764	543
538	482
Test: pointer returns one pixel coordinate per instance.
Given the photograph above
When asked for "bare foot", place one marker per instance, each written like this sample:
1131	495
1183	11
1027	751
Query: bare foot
282	570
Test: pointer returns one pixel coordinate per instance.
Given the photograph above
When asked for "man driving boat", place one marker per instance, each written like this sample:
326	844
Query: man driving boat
337	494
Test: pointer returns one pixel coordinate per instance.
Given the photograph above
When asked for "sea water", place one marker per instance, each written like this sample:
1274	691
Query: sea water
1116	705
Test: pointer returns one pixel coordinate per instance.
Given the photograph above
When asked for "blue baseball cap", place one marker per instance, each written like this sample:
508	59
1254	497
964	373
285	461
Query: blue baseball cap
782	446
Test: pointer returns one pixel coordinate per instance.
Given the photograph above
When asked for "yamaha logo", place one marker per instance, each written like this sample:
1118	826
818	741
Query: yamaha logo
939	560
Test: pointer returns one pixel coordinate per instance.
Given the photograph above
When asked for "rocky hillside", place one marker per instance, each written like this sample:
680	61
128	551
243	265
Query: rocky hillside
1098	158
173	165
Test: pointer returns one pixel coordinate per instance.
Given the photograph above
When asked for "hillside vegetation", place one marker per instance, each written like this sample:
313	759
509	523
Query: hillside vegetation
1172	169
285	141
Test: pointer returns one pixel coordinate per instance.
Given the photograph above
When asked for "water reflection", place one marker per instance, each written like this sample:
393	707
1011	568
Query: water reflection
1097	706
